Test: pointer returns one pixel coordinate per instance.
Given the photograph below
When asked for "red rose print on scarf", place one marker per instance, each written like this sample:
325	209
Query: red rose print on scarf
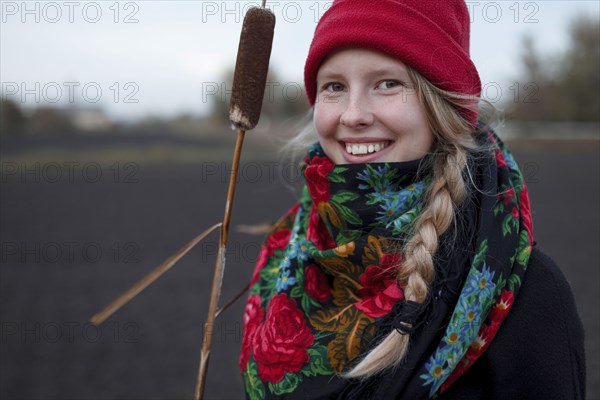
507	197
278	240
502	306
380	288
485	335
281	341
316	179
253	316
515	213
526	211
479	345
316	284
317	232
260	263
500	160
482	341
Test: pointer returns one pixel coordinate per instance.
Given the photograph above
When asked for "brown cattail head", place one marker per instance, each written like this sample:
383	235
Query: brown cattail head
251	68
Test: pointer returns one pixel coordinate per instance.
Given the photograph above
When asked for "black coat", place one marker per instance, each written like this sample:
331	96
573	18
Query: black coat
538	352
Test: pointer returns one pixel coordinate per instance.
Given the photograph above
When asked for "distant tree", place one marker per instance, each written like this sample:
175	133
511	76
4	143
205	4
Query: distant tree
579	79
12	120
562	87
49	121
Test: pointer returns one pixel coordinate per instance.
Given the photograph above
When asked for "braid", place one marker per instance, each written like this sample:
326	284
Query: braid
444	195
446	191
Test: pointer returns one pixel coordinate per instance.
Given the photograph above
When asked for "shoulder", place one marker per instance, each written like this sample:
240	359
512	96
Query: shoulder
538	352
542	271
546	305
546	323
546	301
545	290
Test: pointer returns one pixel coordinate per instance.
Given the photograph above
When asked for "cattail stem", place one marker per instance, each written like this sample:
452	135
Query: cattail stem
218	274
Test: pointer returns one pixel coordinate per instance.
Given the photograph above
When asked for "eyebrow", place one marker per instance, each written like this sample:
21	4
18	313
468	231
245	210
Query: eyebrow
387	71
331	74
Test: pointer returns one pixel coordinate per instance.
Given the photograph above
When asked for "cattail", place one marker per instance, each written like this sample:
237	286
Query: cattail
251	68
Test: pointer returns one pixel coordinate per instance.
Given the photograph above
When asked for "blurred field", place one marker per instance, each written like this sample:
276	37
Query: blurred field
70	245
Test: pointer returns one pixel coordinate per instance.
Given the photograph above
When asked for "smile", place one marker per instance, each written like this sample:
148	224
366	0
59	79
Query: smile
364	148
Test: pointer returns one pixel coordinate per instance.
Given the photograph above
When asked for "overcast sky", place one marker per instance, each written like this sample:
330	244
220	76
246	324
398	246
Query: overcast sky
162	58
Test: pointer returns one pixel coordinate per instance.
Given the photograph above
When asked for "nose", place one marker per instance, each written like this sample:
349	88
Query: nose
357	113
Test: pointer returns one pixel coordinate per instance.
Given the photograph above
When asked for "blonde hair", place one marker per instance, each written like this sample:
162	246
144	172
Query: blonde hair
454	139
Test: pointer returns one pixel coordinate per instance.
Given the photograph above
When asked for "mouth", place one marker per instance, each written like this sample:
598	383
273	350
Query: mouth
363	150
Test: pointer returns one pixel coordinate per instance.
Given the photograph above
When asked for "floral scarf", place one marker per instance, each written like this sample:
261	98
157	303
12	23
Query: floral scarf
323	292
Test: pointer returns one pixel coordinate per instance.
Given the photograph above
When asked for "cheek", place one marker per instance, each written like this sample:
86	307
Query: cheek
324	121
326	126
425	134
411	120
319	121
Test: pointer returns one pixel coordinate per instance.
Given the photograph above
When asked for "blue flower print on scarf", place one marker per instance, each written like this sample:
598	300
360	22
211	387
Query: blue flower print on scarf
285	280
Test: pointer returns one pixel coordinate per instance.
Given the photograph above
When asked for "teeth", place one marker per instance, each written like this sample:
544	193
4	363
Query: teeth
356	149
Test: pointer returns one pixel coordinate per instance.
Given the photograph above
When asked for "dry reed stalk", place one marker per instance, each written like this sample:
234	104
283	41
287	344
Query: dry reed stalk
143	283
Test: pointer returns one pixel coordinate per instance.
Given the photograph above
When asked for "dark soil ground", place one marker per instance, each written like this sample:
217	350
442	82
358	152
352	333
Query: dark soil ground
71	244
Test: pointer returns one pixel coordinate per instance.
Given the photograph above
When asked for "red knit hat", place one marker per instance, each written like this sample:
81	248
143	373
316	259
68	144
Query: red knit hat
431	36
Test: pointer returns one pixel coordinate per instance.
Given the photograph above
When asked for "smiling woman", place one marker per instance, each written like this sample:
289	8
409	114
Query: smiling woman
368	111
408	268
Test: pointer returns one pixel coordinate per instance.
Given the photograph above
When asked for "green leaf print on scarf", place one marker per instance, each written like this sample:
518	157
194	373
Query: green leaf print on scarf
254	386
286	385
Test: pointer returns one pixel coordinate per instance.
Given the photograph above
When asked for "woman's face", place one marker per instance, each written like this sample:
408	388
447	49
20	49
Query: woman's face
367	110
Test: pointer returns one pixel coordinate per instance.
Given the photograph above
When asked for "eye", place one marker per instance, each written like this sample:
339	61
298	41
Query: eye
333	87
388	84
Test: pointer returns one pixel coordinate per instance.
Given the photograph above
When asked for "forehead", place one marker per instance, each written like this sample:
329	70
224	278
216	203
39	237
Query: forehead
360	61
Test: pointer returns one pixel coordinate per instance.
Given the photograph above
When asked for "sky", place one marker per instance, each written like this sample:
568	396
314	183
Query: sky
137	59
